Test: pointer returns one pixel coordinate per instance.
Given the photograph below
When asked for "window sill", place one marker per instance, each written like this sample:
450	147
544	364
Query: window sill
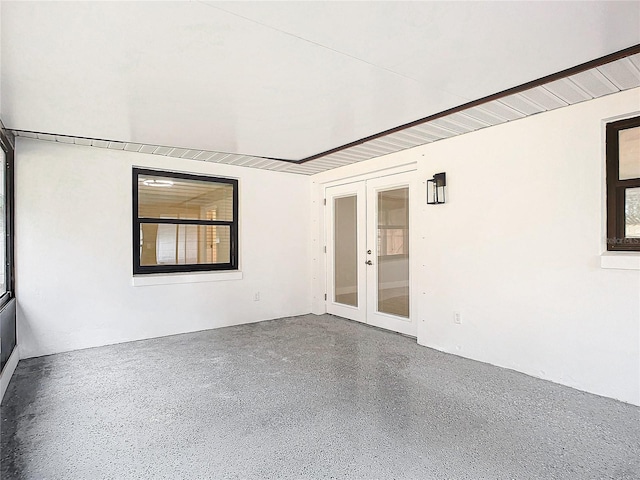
620	260
168	279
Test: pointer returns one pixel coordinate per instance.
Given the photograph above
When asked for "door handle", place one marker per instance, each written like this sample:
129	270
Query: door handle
369	262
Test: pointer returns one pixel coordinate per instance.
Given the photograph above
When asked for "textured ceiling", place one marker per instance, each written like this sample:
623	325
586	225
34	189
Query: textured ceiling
245	82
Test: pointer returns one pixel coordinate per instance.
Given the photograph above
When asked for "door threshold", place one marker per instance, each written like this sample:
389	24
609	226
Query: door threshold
374	326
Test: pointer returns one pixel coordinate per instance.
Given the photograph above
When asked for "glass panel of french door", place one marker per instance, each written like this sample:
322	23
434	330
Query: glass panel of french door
345	243
389	201
345	254
393	251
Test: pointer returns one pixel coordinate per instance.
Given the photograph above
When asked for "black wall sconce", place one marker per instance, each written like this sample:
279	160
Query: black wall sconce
435	189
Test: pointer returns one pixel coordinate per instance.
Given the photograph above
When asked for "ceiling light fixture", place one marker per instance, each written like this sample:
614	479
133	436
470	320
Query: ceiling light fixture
157	183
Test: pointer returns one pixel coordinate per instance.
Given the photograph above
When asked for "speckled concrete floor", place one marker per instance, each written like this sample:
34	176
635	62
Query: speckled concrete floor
305	397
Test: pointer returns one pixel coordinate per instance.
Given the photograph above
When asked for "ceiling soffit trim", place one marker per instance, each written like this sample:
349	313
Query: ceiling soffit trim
606	75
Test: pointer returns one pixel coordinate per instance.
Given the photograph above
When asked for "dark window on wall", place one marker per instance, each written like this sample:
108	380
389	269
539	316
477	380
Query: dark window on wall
6	217
623	185
184	222
7	301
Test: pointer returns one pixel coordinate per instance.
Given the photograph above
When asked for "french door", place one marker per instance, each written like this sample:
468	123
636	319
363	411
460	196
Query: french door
368	252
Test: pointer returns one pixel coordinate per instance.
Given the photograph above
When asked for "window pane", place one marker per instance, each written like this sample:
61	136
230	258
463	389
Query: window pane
632	212
393	252
162	197
629	145
3	237
167	244
346	250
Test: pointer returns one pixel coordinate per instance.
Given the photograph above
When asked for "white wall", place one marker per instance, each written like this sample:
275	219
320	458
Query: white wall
74	252
516	250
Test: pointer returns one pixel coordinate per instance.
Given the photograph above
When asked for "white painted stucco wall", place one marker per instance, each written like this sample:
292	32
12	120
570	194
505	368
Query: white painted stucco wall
74	253
516	250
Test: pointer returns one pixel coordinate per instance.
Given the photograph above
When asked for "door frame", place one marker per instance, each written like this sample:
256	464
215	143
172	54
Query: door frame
409	168
358	312
374	317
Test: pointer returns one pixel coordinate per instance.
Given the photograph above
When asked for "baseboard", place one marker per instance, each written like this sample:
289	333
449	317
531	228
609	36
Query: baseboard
7	372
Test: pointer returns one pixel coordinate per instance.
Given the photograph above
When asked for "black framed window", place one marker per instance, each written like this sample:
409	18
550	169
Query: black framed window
6	216
184	222
7	293
623	185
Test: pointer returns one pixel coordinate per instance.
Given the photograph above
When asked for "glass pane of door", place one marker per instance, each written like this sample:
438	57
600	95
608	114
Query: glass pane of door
393	251
345	250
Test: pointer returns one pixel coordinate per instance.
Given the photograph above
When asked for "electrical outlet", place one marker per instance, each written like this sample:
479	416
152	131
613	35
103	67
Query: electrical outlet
456	318
256	297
